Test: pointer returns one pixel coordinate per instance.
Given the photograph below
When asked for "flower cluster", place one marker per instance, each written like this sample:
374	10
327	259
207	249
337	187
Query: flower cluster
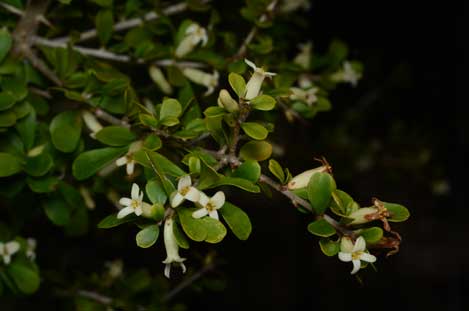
8	249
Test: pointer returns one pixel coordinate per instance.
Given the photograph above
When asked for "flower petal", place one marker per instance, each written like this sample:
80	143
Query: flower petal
213	214
367	257
135	192
138	211
12	247
183	267
356	266
346	245
177	199
167	270
121	161
200	213
203	199
125	201
192	195
360	245
250	64
124	212
218	199
6	259
345	257
130	168
184	182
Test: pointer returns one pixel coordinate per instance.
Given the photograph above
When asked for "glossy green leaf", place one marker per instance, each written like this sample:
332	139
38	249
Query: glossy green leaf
9	164
372	235
38	165
320	188
147	236
156	192
115	136
6	100
89	162
237	182
57	211
112	221
256	150
171	108
152	142
5	43
276	169
65	130
216	231
329	248
25	275
263	102
254	130
204	229
26	127
250	170
7	118
237	84
159	161
181	239
104	23
237	220
43	185
342	203
321	228
398	212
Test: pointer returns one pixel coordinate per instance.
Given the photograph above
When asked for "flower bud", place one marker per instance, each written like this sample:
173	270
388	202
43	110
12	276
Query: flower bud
226	101
254	84
302	180
91	122
363	215
194	34
158	77
36	151
210	81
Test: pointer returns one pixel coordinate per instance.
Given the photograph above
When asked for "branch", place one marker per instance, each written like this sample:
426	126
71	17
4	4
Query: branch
103	115
130	23
104	300
244	111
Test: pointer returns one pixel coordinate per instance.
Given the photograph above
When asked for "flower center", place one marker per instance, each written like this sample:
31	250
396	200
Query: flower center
210	207
135	204
356	255
185	190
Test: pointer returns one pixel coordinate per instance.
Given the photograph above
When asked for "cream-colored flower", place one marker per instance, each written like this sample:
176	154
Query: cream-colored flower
209	205
8	249
347	74
134	204
91	123
193	36
210	81
156	74
253	87
308	96
185	192
354	252
303	58
226	101
31	248
128	159
302	180
172	248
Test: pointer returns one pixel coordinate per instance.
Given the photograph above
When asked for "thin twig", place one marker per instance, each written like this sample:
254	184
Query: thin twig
103	115
104	300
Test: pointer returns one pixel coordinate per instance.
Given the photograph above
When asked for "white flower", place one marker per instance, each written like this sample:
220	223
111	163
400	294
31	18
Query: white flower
302	180
354	252
172	249
8	249
129	163
210	81
30	250
194	34
158	77
91	122
305	80
115	268
303	58
185	192
209	205
226	101
254	84
134	204
347	74
308	96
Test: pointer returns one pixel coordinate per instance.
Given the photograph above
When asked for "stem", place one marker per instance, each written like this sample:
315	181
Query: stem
104	300
244	111
103	115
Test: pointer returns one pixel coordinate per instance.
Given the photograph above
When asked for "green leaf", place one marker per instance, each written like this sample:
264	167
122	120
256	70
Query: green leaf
216	231
152	142
5	43
6	100
398	212
89	162
343	204
372	235
256	150
156	192
7	118
170	108
320	188
25	275
65	130
57	211
43	185
254	130
321	228
115	136
203	229
104	23
26	127
237	220
9	164
237	84
112	221
147	236
241	183
276	169
263	102
159	161
329	248
250	170
38	165
180	237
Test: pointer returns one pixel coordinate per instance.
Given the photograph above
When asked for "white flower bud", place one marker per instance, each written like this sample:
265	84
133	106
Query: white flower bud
172	248
226	101
210	81
360	215
194	34
36	150
254	84
302	180
91	122
158	77
89	202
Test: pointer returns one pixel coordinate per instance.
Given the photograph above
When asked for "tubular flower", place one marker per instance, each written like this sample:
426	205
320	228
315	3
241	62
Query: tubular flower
354	253
91	123
158	77
8	249
193	36
302	180
209	205
185	192
134	204
308	96
347	74
254	84
172	248
210	81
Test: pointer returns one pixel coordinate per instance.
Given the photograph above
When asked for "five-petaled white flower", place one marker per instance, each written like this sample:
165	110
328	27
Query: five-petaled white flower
194	34
210	81
354	252
129	163
30	249
134	204
347	74
254	84
209	205
172	248
8	249
303	58
185	192
308	96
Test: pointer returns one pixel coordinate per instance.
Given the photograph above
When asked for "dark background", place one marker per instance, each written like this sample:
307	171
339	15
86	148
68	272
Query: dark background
406	121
